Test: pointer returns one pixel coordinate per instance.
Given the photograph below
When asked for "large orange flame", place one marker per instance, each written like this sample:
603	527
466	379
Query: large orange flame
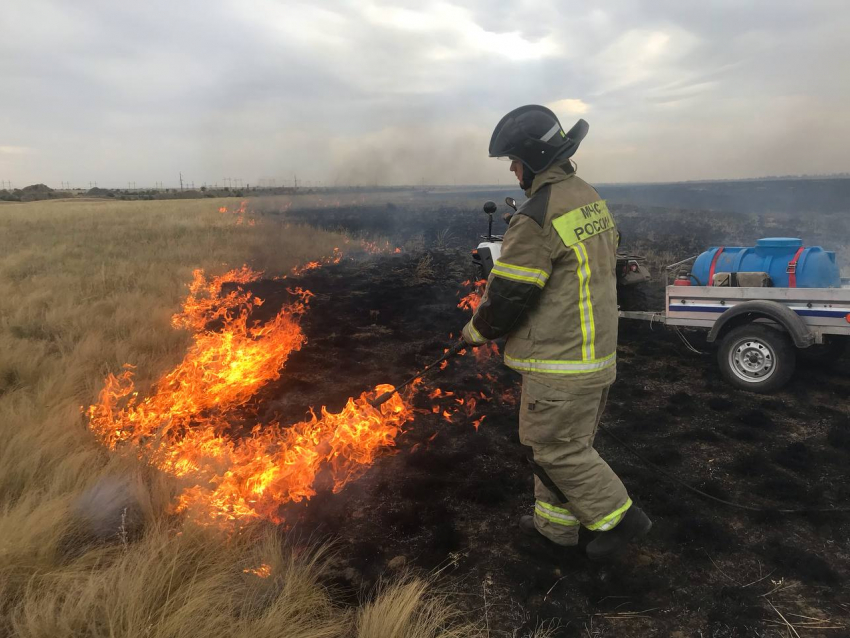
186	425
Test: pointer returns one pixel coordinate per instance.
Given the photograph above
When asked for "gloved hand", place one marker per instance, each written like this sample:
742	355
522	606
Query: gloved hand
472	336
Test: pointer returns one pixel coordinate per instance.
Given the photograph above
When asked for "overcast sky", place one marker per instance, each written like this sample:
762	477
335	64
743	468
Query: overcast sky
365	91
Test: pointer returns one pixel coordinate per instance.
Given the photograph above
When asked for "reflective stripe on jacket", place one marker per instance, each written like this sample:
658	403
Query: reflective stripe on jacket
553	291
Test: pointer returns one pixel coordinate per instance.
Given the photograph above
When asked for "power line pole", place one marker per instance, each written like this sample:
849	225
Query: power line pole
181	180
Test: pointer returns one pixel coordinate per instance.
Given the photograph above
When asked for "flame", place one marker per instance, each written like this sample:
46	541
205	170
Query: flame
204	302
263	571
187	424
240	213
375	247
310	265
484	352
335	258
472	300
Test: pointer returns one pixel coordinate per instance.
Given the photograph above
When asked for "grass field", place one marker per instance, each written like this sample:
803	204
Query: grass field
84	288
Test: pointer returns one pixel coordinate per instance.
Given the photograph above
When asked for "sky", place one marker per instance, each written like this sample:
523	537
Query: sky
346	92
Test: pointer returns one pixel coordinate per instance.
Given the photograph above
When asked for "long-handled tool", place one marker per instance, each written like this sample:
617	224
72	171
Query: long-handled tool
377	401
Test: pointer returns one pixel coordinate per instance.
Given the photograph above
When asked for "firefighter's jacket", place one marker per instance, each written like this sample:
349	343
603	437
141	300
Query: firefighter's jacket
553	290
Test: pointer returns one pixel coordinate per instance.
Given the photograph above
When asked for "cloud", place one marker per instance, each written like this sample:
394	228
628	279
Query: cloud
341	90
467	38
15	150
570	106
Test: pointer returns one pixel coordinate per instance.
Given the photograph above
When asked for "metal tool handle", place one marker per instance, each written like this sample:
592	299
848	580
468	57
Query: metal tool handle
379	400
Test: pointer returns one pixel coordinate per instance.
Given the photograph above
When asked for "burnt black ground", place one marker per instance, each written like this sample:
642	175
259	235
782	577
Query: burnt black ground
448	497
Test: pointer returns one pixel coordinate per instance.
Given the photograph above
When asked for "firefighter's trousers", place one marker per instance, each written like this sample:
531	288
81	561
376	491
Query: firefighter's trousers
560	427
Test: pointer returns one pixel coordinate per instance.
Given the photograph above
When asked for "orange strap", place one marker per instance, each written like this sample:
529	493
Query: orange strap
713	266
792	268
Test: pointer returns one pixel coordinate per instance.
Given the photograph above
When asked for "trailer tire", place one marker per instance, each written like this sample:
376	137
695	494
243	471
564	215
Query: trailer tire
757	358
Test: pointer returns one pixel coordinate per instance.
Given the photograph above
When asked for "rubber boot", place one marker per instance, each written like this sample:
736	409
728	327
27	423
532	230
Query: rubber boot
635	525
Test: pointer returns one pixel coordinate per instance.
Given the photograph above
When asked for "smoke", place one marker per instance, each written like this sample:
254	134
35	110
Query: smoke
415	154
110	510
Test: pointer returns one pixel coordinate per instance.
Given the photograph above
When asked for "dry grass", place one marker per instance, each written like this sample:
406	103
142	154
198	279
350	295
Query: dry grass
406	609
425	272
84	288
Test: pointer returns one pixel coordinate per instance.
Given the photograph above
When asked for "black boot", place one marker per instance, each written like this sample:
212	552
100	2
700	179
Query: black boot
635	525
530	531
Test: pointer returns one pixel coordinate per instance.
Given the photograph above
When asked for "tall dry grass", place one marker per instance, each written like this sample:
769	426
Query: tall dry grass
84	288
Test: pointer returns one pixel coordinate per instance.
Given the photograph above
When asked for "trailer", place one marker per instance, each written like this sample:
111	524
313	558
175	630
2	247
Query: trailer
760	331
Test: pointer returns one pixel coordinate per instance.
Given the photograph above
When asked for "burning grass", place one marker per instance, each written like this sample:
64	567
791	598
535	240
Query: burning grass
87	287
183	427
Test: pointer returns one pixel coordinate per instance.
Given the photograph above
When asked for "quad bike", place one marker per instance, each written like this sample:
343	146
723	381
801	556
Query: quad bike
632	275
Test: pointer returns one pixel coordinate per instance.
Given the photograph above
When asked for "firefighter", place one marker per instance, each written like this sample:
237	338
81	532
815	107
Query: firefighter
552	292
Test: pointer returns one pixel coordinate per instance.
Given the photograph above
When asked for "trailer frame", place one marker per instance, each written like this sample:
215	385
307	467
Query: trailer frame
815	320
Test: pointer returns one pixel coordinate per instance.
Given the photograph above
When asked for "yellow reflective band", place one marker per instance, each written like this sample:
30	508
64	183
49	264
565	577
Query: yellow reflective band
556	366
520	273
612	519
554	508
477	336
588	326
556	515
583	223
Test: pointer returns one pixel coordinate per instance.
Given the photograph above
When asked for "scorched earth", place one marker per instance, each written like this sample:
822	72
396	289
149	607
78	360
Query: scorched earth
267	417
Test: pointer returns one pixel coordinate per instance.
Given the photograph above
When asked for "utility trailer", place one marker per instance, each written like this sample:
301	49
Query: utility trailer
760	331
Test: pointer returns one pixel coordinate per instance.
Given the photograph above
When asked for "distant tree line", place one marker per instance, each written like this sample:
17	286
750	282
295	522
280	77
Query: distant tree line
32	193
38	192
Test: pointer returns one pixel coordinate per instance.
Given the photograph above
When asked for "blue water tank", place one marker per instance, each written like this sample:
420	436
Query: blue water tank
816	267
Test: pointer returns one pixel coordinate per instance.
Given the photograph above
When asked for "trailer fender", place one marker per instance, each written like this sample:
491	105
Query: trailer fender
749	311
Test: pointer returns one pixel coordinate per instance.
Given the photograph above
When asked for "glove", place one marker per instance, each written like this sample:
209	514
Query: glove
472	336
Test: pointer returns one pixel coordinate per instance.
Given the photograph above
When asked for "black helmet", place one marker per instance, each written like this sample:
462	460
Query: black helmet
533	135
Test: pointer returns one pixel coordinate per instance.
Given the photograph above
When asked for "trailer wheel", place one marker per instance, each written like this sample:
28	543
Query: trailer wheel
756	358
